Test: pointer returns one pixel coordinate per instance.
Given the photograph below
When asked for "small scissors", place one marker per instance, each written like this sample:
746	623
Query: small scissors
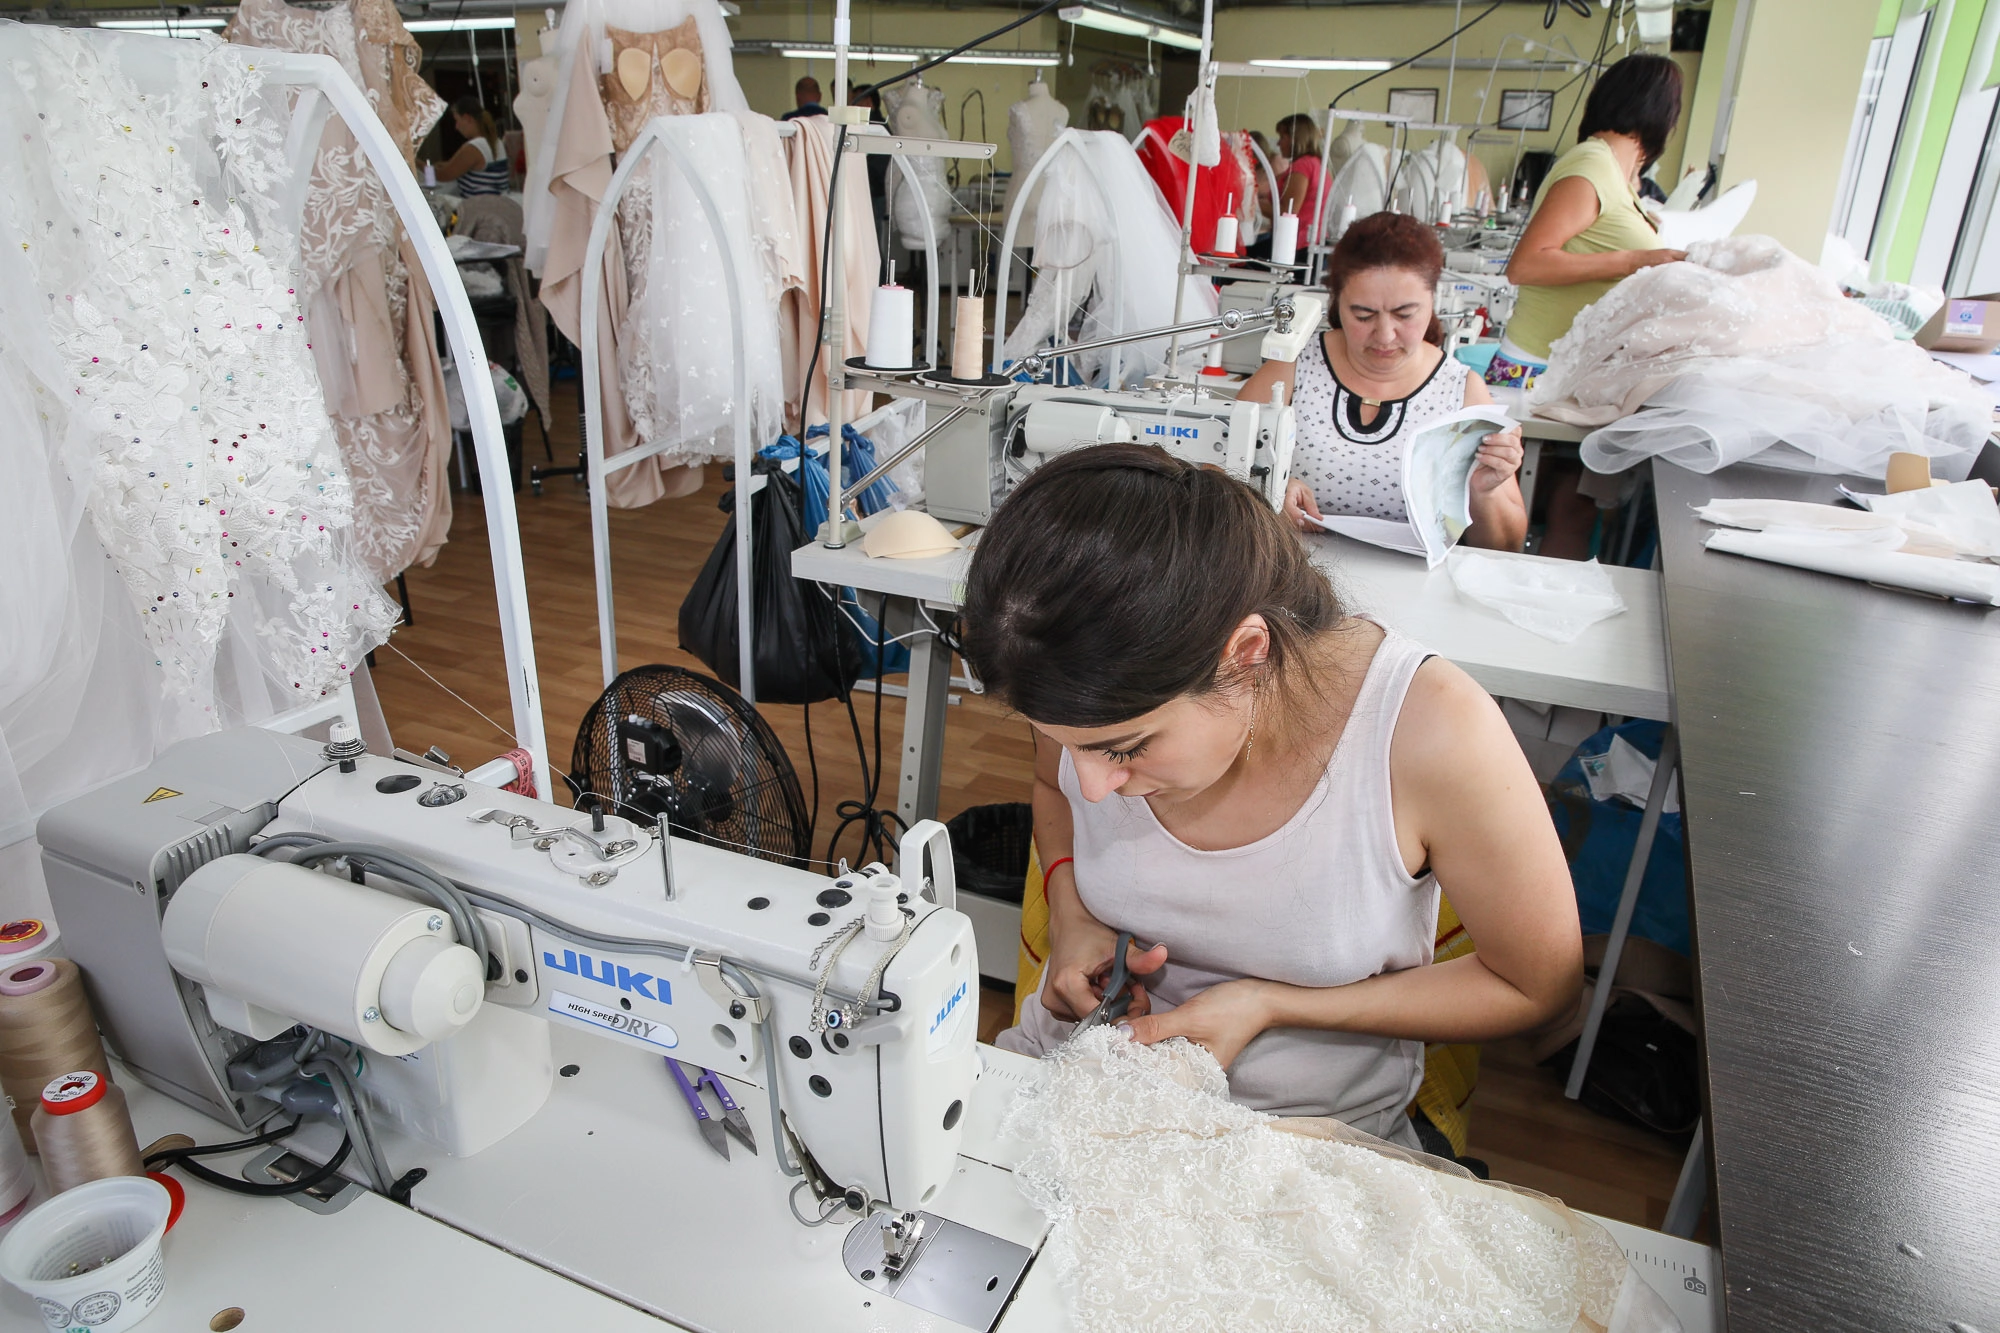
1117	988
733	1120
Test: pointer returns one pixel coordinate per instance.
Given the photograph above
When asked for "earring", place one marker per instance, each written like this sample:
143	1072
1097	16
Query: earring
1251	743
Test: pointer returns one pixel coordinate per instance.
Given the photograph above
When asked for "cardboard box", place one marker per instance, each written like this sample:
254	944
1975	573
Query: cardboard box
1963	324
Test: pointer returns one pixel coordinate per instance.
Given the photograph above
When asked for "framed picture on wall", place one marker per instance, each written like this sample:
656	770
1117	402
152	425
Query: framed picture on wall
1526	109
1419	104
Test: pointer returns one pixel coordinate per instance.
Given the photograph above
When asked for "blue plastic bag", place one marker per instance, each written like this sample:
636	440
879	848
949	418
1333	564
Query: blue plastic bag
1598	838
858	458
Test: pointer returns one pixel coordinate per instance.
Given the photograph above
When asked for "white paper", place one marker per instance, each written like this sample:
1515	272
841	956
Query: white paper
1437	487
1982	366
1963	579
1712	222
1557	599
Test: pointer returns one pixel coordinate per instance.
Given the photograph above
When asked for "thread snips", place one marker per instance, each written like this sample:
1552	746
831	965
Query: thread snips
733	1121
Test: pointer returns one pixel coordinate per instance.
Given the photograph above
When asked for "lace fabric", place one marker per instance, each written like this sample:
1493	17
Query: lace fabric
161	401
368	305
1174	1208
1746	351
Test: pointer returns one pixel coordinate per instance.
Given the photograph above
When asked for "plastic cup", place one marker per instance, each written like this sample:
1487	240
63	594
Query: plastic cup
90	1257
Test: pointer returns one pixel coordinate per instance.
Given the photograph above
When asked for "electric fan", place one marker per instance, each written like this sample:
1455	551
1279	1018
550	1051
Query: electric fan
662	740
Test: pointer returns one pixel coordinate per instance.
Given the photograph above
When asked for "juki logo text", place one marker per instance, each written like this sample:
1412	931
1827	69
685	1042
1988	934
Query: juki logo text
611	974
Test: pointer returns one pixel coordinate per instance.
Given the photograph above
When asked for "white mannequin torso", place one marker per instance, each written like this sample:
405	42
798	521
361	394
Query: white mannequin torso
1032	125
531	107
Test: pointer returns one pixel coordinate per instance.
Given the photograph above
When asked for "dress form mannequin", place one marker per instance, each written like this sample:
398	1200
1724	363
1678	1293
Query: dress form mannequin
917	110
1345	145
1032	125
531	107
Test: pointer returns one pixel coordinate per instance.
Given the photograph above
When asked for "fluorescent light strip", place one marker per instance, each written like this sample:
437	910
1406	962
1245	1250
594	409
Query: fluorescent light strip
459	24
1316	63
160	25
912	57
1107	20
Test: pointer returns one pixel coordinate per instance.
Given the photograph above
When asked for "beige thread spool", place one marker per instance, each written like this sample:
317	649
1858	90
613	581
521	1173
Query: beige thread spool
85	1131
45	1030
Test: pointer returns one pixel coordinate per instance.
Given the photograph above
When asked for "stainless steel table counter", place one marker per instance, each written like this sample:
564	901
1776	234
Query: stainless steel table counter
1840	768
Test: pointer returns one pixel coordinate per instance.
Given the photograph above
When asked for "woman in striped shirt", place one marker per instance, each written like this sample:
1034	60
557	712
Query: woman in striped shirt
480	165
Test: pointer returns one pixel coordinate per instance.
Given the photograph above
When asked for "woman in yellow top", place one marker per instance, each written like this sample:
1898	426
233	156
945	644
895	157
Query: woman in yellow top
1587	231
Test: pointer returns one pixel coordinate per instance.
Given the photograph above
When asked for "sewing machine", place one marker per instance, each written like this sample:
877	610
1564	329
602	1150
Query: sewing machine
972	465
852	1001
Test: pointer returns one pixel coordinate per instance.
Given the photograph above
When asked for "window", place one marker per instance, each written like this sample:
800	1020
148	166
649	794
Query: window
1878	124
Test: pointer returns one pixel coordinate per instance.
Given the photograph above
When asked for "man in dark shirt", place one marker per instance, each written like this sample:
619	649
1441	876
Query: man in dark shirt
806	93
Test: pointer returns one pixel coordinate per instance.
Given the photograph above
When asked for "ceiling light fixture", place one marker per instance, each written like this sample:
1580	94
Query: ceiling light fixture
162	27
460	24
1107	19
1318	62
905	55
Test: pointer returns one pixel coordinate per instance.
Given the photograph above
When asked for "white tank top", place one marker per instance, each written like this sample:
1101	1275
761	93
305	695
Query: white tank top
1357	470
1323	901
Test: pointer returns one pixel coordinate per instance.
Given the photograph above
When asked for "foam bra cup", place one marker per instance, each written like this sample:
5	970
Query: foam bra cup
679	64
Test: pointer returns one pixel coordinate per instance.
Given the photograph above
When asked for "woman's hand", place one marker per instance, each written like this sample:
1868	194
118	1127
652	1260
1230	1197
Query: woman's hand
1080	948
1499	458
1299	502
1224	1018
1638	259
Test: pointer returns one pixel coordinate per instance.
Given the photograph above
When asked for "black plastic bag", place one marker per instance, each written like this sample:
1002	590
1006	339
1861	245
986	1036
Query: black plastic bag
801	655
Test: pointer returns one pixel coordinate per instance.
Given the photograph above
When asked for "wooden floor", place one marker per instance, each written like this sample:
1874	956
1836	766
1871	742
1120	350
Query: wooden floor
443	671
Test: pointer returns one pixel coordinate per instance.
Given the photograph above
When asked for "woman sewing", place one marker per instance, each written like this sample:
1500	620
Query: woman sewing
1587	231
1375	379
480	165
1267	791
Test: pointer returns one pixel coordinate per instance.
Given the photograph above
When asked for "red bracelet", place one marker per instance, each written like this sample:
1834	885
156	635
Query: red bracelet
1049	873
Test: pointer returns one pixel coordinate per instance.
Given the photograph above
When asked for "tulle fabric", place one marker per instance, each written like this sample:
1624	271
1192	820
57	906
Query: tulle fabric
1075	237
1746	351
176	524
1173	1208
1363	180
1432	179
677	359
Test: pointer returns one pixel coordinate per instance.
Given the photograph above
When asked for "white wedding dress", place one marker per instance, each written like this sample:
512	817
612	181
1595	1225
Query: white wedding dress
1747	351
1118	265
178	526
1174	1208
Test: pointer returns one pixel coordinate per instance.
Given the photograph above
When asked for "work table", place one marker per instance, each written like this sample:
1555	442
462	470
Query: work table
1840	757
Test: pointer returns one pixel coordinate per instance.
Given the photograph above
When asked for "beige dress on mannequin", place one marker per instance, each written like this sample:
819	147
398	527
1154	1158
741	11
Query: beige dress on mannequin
369	307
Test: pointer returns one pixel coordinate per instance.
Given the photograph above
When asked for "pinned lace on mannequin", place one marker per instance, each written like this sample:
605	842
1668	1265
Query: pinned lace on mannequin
170	295
1175	1208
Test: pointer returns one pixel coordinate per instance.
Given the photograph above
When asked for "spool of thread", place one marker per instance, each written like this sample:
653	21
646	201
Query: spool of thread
1225	229
45	1030
25	940
892	325
1285	239
430	176
968	339
85	1131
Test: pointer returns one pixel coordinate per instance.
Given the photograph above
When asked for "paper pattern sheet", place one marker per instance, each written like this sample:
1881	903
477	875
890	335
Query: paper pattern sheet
1437	487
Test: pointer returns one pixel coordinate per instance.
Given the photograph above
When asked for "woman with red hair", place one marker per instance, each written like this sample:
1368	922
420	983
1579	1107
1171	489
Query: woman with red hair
1375	379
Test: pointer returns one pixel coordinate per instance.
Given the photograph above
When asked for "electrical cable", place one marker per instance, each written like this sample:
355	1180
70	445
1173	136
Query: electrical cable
933	63
876	832
1412	59
268	1137
386	861
184	1159
354	1114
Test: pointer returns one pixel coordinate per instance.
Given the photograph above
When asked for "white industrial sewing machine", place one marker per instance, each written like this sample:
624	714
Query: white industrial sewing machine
851	1001
971	463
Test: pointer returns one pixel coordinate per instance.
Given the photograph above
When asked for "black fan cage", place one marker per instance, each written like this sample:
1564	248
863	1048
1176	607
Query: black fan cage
734	788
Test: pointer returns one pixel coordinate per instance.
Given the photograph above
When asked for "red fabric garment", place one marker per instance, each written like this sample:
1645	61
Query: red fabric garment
1214	186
